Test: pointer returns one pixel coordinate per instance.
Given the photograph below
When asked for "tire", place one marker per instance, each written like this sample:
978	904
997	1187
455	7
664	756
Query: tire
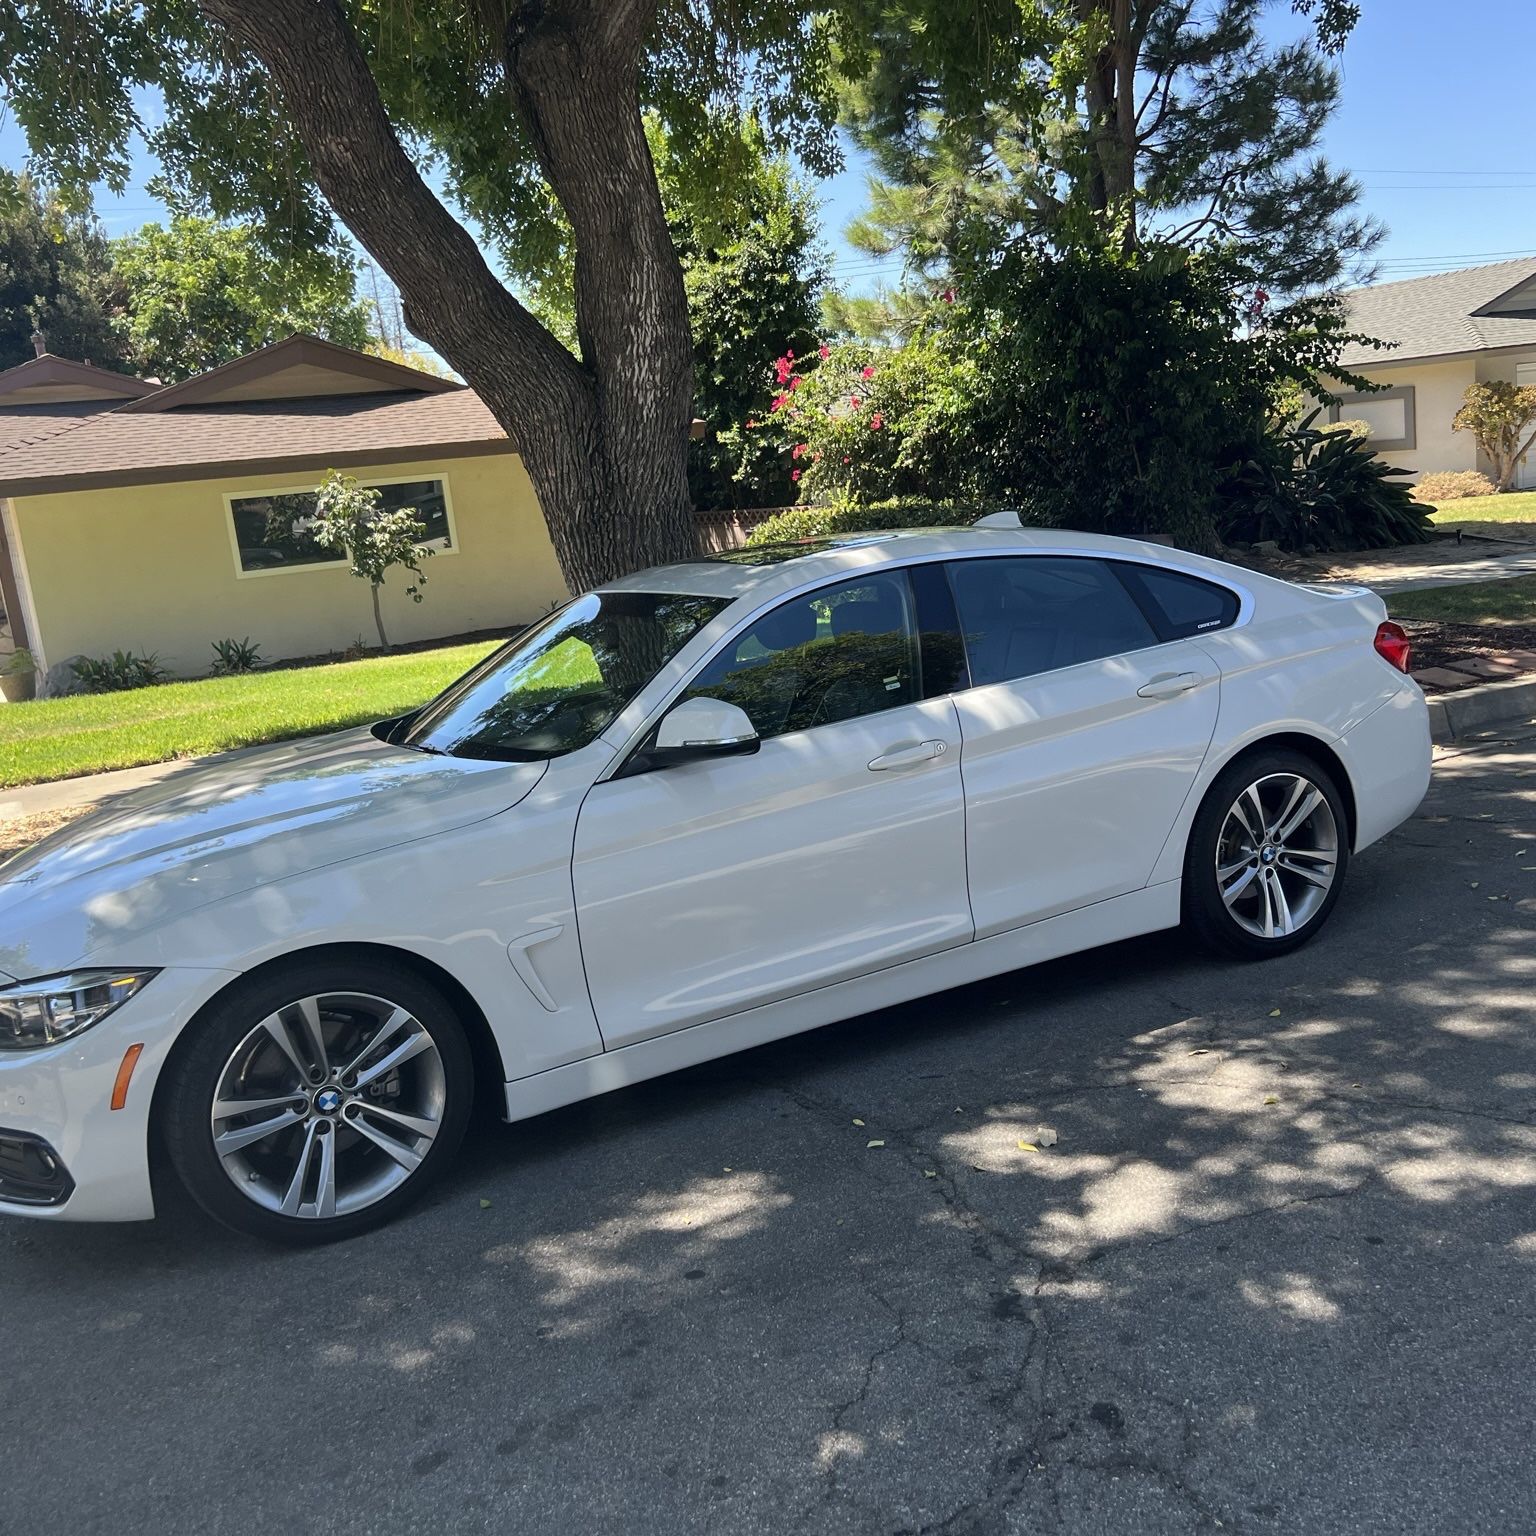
1241	880
343	1132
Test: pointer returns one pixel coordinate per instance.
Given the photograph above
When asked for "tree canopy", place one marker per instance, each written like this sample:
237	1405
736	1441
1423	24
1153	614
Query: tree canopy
1112	121
198	294
55	277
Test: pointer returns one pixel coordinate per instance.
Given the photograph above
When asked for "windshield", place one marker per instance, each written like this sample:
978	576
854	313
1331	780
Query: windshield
560	685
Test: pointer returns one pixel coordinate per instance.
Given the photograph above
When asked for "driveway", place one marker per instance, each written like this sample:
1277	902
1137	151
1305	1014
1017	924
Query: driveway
1275	1274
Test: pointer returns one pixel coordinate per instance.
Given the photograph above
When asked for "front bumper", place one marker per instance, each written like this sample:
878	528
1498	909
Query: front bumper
56	1107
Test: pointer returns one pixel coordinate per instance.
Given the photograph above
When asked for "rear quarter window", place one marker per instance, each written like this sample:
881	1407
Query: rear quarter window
1179	604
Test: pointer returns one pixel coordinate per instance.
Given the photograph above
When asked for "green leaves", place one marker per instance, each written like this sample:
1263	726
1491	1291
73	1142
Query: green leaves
198	294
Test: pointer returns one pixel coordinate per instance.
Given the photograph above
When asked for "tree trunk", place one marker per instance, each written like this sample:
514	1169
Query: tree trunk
605	440
378	615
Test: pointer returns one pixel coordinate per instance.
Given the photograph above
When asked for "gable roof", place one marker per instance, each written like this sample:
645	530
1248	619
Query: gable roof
1446	315
48	379
302	367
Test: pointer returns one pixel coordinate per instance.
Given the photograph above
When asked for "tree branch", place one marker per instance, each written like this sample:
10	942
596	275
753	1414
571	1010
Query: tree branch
458	304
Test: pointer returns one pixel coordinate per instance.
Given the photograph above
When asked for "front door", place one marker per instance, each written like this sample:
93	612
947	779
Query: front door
1082	735
837	849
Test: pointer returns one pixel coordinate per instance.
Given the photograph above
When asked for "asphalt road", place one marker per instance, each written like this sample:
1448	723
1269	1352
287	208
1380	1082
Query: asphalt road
1275	1275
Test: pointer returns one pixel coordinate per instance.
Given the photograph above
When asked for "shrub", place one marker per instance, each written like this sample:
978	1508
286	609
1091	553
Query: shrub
1310	488
117	672
1502	418
866	424
1360	429
234	656
1453	485
1117	389
814	522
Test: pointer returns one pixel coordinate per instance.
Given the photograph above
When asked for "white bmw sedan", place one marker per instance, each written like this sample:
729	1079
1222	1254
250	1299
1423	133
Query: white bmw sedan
702	808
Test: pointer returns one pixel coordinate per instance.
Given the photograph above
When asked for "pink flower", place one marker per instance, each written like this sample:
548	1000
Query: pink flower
783	367
948	295
854	401
876	422
779	402
797	450
794	474
751	425
824	351
846	459
869	373
794	383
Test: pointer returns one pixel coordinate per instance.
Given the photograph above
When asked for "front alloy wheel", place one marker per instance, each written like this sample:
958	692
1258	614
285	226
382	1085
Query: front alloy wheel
327	1099
1267	855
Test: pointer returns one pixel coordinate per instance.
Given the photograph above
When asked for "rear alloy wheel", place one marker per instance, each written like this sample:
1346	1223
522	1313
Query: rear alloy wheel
316	1105
1267	855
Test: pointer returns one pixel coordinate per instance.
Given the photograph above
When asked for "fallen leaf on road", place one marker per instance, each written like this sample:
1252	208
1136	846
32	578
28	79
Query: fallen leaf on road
858	1122
869	1144
929	1173
1201	1050
1475	884
1274	1013
727	1170
1272	1098
1028	1146
485	1205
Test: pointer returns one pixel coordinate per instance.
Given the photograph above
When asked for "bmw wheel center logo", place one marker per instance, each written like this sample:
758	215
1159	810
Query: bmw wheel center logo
328	1102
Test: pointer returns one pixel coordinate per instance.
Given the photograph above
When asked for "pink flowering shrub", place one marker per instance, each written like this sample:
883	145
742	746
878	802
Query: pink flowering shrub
861	424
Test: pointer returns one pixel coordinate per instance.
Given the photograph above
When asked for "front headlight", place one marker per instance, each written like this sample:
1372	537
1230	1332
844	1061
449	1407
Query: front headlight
52	1008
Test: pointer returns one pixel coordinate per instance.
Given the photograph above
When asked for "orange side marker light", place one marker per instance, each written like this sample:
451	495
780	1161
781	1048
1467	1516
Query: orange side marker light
125	1075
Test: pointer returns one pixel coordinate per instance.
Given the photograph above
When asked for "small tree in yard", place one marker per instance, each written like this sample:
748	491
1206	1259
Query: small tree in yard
374	538
1502	417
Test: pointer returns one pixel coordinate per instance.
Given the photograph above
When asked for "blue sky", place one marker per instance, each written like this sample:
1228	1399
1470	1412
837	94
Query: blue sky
1435	121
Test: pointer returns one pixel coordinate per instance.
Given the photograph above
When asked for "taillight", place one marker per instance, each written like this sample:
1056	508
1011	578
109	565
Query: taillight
1392	644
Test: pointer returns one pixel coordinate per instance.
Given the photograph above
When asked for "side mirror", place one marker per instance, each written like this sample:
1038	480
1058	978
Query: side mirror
700	728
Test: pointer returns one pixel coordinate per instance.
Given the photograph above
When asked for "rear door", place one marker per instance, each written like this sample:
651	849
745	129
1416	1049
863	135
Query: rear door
1088	718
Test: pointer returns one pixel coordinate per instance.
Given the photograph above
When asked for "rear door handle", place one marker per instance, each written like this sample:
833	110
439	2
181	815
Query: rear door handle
909	757
1169	685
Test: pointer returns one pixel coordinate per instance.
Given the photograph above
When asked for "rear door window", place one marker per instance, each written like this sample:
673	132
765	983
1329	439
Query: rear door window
1027	614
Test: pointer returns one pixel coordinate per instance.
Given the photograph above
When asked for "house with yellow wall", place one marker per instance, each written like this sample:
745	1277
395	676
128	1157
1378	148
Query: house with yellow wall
154	518
1443	332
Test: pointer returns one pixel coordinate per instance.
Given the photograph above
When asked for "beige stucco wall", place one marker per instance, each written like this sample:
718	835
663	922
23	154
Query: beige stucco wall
154	568
1438	390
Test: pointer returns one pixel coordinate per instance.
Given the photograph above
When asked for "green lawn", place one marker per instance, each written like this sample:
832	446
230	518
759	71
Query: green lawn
60	738
1512	507
1474	602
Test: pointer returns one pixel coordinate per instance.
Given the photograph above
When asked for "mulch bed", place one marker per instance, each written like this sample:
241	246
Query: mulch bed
1437	644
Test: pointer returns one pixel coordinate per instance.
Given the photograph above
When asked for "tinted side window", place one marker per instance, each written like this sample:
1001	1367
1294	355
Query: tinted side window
831	655
1034	613
1182	605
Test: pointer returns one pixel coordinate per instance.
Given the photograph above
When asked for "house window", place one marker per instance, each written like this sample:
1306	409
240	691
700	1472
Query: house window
1387	412
275	530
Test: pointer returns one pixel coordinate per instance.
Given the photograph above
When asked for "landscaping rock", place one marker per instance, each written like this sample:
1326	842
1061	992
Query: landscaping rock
1265	547
60	679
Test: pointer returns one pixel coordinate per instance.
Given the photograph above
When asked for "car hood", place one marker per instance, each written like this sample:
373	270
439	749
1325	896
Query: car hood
211	831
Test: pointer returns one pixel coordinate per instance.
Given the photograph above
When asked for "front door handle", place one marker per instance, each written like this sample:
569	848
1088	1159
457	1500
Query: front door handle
909	757
1169	685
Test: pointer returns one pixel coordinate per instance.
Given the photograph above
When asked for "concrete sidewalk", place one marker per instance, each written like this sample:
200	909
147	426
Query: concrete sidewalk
1492	568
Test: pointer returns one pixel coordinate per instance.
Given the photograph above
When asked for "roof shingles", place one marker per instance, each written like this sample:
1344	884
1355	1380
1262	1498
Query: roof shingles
1436	316
121	448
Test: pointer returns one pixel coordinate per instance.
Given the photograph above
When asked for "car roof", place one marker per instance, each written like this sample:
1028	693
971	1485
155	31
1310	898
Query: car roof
765	570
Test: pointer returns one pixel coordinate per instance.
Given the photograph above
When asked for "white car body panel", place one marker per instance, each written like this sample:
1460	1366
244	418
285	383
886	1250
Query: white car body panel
674	871
1073	782
559	896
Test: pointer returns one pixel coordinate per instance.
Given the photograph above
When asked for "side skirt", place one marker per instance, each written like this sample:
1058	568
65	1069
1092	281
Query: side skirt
1105	922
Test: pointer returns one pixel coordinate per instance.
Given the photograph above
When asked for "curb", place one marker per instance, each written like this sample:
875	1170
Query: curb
1453	716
